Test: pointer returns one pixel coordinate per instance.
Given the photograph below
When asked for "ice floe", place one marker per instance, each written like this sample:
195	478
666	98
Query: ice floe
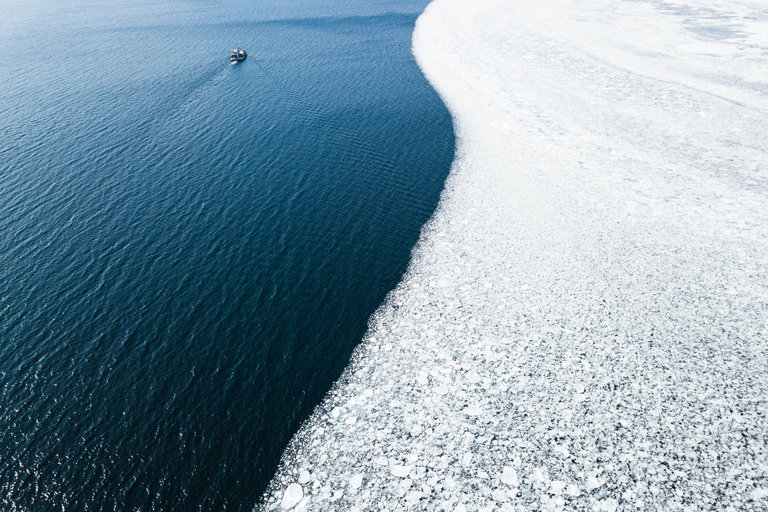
291	496
584	323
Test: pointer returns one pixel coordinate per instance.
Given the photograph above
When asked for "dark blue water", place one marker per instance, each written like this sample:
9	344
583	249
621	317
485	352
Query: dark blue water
190	250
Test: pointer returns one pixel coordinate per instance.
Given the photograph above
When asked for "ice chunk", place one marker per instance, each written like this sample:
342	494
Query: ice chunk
413	497
561	450
556	487
499	495
509	476
474	410
593	481
355	481
292	496
573	490
540	475
607	505
400	471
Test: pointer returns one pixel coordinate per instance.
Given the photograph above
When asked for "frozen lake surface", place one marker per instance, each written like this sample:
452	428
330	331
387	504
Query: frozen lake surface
584	323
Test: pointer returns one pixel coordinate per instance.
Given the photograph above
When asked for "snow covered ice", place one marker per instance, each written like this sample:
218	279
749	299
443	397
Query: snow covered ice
584	323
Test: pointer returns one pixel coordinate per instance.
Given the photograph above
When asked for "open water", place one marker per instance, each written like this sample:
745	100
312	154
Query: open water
189	249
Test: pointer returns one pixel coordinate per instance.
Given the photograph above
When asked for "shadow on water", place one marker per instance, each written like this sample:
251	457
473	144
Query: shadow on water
190	250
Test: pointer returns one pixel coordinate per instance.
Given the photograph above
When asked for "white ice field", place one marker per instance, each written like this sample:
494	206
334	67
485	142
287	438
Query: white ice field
584	324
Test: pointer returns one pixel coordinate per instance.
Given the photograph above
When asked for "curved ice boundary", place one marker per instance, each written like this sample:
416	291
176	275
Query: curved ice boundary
584	323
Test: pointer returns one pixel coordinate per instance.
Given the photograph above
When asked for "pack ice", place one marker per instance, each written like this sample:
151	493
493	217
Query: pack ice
584	323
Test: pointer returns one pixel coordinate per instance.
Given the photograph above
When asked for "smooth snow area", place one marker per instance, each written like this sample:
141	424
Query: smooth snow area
584	324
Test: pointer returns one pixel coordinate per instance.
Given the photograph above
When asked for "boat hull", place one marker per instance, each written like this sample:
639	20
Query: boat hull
240	57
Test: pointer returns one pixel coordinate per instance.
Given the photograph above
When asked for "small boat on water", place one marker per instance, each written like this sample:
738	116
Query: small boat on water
237	55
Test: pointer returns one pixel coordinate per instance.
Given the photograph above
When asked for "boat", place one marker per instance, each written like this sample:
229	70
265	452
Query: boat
237	55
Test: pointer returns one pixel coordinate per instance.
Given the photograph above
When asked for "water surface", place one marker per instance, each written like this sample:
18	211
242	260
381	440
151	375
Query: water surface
189	249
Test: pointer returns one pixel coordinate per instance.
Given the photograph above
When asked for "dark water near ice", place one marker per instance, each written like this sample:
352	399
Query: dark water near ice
190	250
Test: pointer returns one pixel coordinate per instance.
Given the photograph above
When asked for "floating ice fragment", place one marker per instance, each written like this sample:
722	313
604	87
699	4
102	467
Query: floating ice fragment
607	505
400	471
335	413
509	476
413	497
573	490
760	493
499	495
593	482
304	477
540	475
303	504
473	410
557	503
292	496
473	377
556	487
356	481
